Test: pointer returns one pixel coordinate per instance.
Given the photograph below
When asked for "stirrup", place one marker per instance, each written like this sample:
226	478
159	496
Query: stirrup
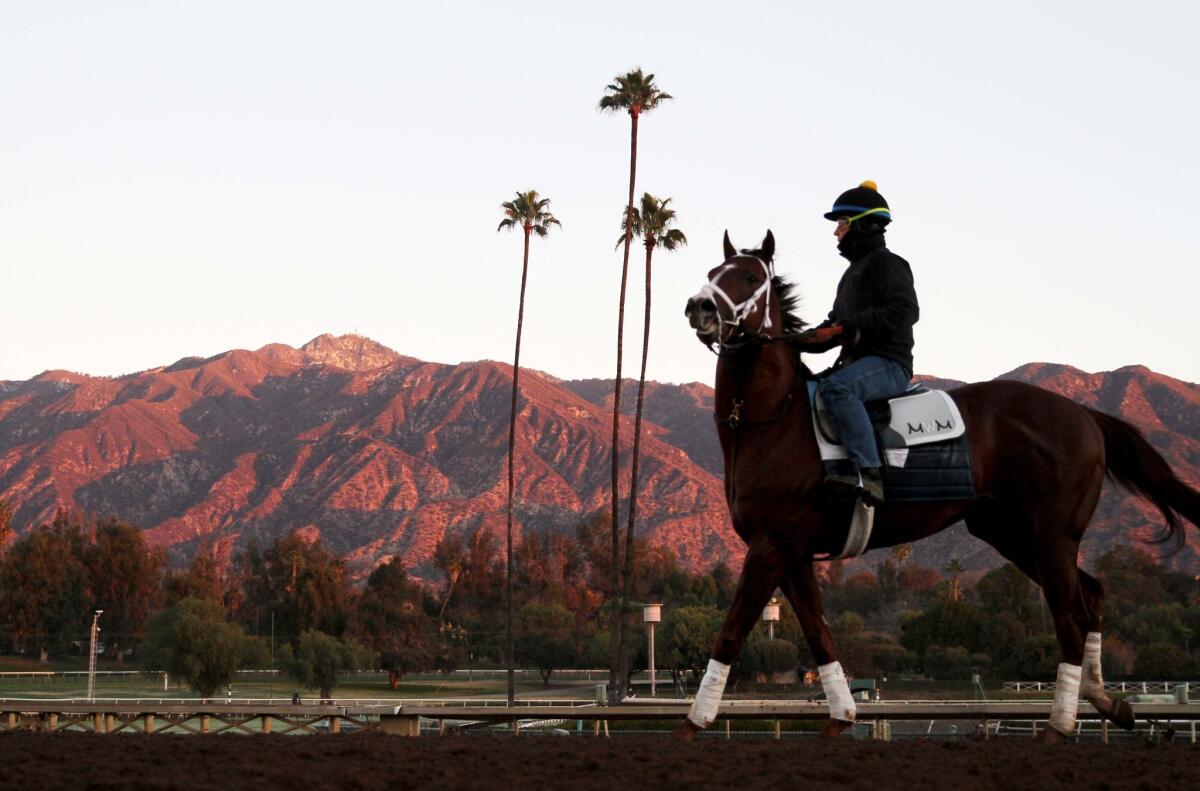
862	521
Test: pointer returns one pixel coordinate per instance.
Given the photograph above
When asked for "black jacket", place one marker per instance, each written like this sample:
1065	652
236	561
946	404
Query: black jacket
876	303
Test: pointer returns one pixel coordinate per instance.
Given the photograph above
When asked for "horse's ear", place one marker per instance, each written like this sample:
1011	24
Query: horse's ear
768	246
730	250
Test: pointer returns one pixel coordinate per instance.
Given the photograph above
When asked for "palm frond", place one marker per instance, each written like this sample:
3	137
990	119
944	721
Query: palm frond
529	211
633	90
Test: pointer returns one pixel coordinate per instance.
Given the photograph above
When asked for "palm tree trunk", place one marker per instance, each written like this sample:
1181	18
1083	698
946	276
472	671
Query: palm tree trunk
627	590
512	441
614	678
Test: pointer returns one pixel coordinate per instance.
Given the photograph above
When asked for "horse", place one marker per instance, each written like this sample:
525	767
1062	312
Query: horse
1038	463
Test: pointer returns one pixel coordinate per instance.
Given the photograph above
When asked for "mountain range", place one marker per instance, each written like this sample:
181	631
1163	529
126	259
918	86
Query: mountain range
379	454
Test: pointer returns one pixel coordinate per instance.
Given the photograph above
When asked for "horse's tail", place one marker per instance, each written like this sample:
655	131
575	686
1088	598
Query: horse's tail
1134	464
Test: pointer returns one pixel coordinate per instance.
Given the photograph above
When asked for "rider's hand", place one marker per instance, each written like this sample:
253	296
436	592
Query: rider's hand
819	335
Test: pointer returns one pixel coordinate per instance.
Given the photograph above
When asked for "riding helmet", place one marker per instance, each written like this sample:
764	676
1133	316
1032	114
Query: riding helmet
862	200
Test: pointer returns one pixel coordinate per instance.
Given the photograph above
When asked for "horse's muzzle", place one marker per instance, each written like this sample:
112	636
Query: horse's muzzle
701	313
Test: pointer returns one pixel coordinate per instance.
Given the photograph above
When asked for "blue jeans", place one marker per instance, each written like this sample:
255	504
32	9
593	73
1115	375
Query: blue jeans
844	392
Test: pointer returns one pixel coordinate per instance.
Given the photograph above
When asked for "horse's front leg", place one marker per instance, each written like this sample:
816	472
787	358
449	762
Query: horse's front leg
761	574
802	591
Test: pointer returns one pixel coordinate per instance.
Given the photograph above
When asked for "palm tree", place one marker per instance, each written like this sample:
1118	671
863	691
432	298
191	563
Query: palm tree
653	226
954	568
635	93
531	214
5	523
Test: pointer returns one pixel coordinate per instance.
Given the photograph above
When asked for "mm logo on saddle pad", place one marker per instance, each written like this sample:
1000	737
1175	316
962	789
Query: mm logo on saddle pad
917	418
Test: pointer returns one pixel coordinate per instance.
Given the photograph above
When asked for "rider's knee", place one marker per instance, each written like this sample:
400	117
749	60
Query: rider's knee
832	388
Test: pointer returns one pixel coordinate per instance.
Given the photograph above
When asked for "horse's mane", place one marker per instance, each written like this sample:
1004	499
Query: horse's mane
789	302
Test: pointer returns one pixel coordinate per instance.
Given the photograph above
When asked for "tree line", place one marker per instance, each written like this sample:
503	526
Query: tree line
292	604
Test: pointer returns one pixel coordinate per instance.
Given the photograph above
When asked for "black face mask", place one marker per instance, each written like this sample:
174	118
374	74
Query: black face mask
845	245
858	234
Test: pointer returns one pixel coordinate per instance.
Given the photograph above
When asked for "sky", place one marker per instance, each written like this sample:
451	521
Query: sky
184	178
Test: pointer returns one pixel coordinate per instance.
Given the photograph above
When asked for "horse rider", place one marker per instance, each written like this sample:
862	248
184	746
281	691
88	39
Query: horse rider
872	320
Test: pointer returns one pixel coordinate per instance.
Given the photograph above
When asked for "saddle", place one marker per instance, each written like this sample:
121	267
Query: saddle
917	417
922	441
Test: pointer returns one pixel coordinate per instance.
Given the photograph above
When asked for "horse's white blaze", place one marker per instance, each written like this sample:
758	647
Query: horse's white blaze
708	696
1066	698
837	691
1093	681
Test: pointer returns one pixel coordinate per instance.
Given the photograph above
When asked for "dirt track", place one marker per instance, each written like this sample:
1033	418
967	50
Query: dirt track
378	761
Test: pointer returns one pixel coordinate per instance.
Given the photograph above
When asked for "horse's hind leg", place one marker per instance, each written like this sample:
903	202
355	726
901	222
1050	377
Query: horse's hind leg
1055	559
1092	685
1049	562
802	591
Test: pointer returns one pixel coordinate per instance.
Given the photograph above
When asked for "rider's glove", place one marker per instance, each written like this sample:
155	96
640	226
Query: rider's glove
819	336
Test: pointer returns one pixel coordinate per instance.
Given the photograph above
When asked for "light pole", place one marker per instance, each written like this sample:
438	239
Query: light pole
652	614
92	656
771	616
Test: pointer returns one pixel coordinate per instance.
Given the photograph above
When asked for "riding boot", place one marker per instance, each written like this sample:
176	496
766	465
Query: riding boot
843	485
866	483
872	485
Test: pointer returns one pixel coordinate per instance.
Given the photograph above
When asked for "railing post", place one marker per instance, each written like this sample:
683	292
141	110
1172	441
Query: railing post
400	725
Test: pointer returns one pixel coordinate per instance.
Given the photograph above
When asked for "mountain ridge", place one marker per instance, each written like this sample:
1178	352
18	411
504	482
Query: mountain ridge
379	454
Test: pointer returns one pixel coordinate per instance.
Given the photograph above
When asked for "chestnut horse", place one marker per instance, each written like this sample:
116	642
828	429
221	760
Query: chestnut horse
1038	460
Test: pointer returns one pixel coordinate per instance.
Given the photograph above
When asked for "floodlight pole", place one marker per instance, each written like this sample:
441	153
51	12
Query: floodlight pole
91	692
271	675
651	614
771	616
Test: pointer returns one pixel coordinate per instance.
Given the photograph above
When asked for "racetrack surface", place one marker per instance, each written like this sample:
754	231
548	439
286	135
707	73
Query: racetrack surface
373	760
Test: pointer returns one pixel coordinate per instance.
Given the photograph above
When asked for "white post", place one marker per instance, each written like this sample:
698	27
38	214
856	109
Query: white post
771	615
652	614
653	681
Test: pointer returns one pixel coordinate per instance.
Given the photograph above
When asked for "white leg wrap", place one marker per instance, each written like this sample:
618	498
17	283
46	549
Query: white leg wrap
837	691
708	697
1066	698
1092	684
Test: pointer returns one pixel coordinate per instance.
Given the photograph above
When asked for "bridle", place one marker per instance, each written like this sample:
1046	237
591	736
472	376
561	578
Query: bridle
734	327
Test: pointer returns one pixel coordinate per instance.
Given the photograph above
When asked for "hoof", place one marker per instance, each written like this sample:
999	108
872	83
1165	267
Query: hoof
1051	735
835	728
1122	714
686	731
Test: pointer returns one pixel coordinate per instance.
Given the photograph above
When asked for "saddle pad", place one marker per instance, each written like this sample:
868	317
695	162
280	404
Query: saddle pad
919	419
927	417
933	471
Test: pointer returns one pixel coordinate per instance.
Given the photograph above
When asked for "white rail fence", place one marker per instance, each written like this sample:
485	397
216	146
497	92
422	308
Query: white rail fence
1144	687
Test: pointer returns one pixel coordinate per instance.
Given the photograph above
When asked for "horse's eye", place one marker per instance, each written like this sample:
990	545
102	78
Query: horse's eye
752	279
